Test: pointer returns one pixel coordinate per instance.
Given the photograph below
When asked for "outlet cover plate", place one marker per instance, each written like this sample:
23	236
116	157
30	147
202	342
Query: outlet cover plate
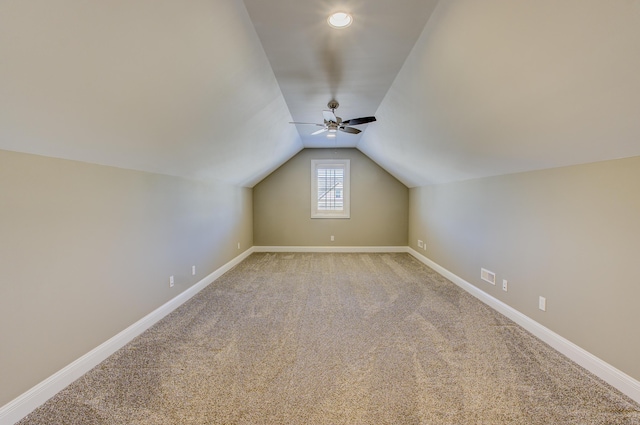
542	303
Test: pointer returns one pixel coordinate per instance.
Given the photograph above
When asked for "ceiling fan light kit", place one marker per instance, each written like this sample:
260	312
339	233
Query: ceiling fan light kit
340	20
333	123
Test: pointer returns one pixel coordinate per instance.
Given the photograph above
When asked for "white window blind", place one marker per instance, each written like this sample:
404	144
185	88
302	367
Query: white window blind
330	188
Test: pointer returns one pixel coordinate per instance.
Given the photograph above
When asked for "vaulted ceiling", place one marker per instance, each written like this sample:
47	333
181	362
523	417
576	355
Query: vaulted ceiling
205	89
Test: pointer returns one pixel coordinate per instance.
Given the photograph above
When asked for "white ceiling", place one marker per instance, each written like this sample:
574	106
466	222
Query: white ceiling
315	63
205	89
174	87
499	86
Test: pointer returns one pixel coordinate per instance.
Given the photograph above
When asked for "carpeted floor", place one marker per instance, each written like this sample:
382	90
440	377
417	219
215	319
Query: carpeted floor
336	339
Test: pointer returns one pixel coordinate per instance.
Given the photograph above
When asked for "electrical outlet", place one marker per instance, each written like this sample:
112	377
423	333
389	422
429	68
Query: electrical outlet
424	246
193	270
238	245
420	244
171	281
542	303
504	284
332	238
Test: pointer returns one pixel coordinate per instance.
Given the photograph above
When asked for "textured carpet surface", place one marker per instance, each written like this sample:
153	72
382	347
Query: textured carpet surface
336	339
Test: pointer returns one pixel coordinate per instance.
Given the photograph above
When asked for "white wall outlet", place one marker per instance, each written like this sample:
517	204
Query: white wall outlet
238	245
542	303
171	281
193	270
424	246
420	244
332	238
504	284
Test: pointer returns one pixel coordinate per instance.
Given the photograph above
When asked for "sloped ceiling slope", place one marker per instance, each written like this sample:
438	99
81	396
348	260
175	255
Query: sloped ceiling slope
171	87
497	87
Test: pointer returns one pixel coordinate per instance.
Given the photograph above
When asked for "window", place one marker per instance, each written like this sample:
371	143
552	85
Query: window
330	188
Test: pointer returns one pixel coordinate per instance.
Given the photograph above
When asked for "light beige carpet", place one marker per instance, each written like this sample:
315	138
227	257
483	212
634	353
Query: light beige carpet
336	339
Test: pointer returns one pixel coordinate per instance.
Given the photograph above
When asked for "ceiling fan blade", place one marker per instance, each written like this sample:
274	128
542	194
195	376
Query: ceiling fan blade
319	131
307	123
358	121
329	116
350	130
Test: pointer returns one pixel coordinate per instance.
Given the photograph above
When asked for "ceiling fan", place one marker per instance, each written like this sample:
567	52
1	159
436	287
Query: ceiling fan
333	123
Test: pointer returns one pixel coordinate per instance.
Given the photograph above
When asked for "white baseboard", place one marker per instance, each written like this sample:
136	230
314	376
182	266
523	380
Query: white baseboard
330	249
24	404
614	377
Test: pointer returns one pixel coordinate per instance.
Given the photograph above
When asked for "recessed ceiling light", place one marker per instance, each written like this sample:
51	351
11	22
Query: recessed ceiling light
340	20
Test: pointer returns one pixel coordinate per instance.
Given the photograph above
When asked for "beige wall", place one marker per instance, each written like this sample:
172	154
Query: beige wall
282	205
87	250
569	234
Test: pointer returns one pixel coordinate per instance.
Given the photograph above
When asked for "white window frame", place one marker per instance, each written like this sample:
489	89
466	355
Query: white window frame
343	164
